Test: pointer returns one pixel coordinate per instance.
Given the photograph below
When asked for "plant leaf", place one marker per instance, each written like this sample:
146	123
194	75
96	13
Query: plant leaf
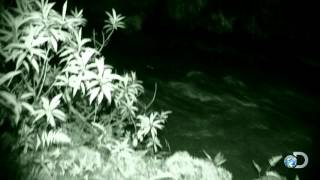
274	160
219	159
100	97
28	107
39	41
40	114
258	168
94	93
59	114
40	52
99	126
26	65
35	65
38	142
28	95
20	59
55	101
107	92
64	10
8	76
50	119
54	44
10	98
273	174
45	103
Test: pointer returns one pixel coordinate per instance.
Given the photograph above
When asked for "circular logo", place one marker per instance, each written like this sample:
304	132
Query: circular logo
290	161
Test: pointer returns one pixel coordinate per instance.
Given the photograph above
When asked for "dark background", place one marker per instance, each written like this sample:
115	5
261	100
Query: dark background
276	38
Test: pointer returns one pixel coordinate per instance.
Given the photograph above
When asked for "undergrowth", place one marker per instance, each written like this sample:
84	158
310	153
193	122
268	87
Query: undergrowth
57	90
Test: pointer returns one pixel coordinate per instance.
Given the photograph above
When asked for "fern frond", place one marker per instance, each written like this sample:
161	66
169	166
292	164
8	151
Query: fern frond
46	139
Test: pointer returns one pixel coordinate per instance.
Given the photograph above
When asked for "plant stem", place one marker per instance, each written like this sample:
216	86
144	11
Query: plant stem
95	112
76	112
43	79
80	116
16	85
134	124
89	115
154	96
27	83
168	145
48	90
105	41
94	38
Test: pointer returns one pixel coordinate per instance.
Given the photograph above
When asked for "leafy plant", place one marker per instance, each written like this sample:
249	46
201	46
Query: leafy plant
149	126
114	22
47	61
49	109
56	89
268	173
101	84
218	160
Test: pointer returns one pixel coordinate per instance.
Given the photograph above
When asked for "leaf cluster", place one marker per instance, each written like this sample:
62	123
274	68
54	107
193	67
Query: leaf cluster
52	77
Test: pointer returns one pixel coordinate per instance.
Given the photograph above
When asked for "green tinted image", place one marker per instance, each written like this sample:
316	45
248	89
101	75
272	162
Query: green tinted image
158	90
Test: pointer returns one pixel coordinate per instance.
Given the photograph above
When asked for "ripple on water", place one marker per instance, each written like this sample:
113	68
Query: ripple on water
227	115
192	92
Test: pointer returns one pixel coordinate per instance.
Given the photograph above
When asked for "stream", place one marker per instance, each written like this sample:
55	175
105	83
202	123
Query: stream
242	114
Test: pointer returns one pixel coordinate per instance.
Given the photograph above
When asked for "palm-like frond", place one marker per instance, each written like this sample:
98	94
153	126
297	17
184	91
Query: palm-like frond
79	69
114	21
127	109
154	143
101	84
128	89
149	125
49	109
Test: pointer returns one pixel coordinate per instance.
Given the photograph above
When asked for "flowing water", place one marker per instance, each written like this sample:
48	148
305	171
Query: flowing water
226	115
244	117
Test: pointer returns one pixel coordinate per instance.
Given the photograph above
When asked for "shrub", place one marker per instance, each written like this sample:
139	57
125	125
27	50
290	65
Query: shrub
52	76
56	90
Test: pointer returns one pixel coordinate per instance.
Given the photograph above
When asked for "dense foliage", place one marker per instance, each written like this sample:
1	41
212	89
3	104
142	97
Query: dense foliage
52	77
54	87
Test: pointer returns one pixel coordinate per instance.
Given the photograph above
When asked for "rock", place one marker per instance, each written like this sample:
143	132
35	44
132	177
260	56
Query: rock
184	166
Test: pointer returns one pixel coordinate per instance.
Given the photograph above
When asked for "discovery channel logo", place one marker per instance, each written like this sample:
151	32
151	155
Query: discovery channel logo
291	161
